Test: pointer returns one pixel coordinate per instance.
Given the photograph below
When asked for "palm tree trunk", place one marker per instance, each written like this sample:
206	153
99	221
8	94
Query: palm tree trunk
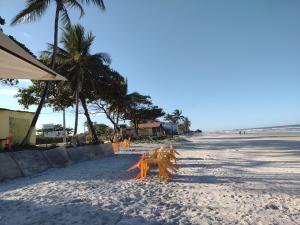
90	123
136	129
64	126
76	113
26	140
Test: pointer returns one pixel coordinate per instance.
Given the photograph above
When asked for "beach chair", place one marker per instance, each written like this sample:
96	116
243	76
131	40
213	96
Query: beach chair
164	159
116	146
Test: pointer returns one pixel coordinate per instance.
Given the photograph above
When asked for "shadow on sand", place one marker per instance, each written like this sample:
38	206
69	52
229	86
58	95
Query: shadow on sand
294	146
76	211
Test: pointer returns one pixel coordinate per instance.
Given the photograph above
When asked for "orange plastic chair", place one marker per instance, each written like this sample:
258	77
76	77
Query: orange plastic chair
116	146
162	158
9	142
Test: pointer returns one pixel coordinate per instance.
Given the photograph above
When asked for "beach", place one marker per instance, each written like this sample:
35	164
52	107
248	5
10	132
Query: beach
222	179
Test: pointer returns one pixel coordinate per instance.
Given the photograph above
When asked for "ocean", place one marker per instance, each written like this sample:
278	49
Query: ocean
275	129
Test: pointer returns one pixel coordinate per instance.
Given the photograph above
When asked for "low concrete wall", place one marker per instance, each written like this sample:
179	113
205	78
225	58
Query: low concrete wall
8	168
57	157
29	162
107	149
77	155
89	152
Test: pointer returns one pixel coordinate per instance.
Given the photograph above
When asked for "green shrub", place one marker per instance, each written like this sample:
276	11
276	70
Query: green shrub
50	140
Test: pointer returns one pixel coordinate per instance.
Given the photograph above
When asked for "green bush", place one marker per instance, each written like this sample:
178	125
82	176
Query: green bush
50	140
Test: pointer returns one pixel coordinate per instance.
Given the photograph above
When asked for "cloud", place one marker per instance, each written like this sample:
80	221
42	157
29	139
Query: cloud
8	91
27	35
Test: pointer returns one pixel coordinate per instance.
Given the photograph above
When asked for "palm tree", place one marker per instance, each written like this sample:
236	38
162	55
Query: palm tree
35	10
186	123
82	68
169	118
177	115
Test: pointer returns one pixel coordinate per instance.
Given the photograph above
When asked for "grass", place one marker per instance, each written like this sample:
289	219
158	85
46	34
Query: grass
162	139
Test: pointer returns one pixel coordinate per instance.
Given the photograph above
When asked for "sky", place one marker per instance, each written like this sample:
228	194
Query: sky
226	64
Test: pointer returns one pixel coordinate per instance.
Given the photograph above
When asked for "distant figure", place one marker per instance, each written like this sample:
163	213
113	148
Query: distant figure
244	132
240	132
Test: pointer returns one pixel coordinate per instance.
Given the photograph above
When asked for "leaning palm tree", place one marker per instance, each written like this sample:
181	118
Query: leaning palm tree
34	10
82	69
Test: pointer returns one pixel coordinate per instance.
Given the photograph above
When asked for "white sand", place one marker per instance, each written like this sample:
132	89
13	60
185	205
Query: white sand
222	180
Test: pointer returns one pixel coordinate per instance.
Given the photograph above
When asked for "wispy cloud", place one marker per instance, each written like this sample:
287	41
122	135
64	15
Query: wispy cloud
27	35
8	91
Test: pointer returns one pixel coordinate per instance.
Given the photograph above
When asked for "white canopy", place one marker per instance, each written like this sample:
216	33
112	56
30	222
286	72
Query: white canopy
16	63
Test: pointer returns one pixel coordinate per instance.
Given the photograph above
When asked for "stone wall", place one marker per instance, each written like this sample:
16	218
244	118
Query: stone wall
29	162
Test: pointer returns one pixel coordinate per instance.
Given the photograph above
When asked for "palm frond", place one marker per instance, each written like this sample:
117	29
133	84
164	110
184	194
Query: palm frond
75	4
105	57
34	10
99	3
65	19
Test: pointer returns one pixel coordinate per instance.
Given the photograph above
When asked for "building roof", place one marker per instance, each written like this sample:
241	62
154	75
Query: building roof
149	125
16	63
3	109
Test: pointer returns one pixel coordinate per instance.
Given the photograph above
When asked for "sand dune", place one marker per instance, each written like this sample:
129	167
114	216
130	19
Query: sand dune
223	179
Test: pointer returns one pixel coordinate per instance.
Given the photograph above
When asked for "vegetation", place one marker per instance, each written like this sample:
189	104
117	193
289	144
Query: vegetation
139	109
112	98
183	123
160	139
35	10
175	117
2	21
103	129
91	80
56	127
82	69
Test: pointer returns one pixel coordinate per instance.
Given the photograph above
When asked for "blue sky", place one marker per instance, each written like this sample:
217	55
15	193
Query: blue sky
226	64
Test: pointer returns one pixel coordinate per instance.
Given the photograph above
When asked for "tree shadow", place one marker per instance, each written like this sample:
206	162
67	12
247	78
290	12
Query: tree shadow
274	145
252	182
248	137
189	158
75	211
111	169
205	179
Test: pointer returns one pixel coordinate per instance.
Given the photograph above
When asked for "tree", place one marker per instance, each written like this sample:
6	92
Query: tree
185	125
112	97
140	109
35	10
103	129
2	22
56	127
175	117
80	67
169	118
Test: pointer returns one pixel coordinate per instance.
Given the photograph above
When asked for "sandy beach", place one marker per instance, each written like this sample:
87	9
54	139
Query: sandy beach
222	179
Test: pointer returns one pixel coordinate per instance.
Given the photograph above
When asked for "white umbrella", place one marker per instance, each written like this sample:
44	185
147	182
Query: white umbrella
16	63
